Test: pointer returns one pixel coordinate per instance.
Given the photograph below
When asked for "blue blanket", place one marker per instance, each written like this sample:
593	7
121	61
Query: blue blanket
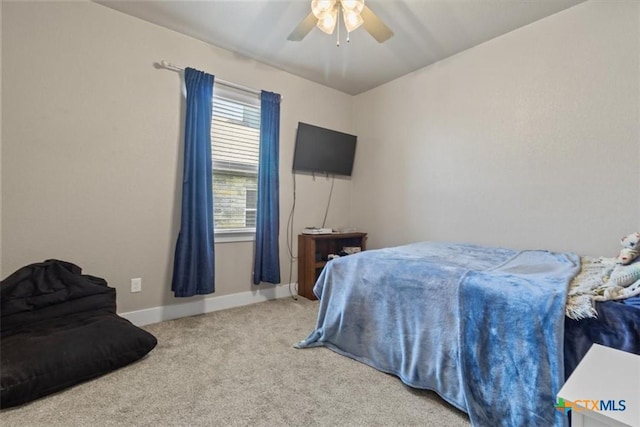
483	327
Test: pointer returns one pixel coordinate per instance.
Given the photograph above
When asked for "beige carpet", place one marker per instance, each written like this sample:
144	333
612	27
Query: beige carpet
238	368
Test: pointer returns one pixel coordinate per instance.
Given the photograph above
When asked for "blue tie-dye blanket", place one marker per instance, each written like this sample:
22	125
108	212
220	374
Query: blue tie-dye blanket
481	326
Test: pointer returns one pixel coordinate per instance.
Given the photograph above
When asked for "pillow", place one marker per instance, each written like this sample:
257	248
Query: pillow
624	275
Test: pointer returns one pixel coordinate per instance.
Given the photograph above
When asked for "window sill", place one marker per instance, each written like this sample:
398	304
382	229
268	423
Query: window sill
234	236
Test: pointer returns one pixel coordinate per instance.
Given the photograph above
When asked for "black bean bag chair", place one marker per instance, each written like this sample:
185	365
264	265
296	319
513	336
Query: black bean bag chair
58	328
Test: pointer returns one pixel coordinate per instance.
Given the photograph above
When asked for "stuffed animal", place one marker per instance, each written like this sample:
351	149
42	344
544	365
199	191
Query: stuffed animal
631	249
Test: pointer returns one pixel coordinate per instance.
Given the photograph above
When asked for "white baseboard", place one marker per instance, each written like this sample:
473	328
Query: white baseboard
206	305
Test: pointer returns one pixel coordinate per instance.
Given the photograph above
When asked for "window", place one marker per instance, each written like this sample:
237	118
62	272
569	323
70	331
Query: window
250	210
235	144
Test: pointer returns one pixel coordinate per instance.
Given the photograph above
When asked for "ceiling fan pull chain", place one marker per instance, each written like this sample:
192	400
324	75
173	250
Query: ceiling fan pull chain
338	25
348	33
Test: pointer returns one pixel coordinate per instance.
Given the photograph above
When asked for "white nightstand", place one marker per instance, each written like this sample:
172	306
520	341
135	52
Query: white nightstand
608	375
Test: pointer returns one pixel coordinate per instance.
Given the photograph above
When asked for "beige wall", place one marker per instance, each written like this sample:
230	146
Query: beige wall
91	157
530	140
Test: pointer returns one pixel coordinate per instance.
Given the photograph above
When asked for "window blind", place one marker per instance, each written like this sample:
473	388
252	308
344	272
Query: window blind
235	146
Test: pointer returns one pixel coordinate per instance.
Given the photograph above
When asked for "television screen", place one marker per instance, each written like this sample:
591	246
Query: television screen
325	151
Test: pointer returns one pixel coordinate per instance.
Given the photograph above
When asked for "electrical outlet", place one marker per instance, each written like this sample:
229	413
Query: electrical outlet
136	285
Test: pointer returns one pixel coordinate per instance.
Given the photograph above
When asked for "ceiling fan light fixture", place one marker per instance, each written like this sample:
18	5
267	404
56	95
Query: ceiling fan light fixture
354	6
325	14
327	23
352	20
321	8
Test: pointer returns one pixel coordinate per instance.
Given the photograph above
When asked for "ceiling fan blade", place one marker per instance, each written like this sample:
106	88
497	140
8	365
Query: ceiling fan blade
375	26
303	28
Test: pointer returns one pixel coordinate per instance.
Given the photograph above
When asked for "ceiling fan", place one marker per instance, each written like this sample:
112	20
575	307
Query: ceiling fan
325	14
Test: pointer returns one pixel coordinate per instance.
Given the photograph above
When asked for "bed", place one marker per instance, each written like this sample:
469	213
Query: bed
483	327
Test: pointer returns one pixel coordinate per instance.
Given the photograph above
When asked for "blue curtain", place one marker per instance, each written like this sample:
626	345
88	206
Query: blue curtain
193	264
266	266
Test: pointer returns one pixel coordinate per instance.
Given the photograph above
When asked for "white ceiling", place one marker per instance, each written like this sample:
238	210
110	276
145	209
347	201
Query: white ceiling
426	31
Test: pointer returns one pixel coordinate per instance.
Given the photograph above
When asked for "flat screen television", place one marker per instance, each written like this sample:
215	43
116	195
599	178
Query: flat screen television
325	151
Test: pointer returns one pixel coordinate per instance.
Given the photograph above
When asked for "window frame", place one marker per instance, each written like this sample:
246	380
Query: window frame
238	96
